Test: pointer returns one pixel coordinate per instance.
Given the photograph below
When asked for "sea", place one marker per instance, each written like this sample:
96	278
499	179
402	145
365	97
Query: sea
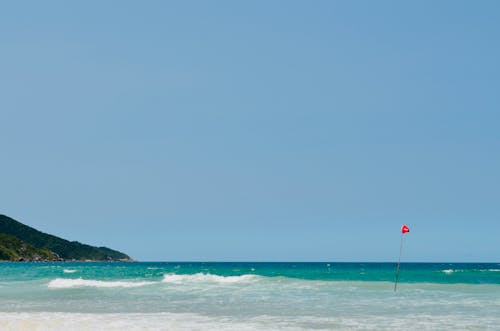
248	296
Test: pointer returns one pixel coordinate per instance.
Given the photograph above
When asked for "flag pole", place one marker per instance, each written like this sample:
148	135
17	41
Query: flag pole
399	262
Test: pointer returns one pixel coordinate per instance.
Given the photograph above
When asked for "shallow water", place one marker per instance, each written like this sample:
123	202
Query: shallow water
248	296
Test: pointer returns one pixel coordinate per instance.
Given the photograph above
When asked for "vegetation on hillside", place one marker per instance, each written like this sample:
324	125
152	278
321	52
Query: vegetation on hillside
14	249
30	237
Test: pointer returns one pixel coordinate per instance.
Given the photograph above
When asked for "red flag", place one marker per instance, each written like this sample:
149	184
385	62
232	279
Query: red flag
405	229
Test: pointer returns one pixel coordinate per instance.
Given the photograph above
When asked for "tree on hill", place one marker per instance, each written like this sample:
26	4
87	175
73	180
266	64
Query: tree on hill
67	250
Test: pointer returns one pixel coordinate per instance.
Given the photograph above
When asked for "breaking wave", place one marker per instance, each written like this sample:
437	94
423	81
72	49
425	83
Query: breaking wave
209	278
168	278
69	271
79	282
450	271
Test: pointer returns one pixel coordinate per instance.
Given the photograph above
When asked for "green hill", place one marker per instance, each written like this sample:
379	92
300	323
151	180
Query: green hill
36	242
13	249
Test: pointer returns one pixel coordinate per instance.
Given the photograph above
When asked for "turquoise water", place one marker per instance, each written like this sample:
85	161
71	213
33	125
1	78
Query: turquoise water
249	296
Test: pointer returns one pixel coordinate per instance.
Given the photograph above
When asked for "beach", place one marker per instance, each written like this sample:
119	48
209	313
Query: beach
248	296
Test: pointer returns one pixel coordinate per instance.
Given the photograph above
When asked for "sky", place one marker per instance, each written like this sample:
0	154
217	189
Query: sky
255	130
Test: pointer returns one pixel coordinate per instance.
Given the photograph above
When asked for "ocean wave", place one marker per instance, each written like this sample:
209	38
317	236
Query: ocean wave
79	282
449	271
62	321
209	278
69	271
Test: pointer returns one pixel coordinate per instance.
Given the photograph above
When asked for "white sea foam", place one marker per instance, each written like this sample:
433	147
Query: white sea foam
209	278
135	322
69	271
79	282
449	271
55	321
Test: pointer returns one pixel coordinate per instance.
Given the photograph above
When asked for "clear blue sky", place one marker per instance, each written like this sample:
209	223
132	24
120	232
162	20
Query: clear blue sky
255	130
